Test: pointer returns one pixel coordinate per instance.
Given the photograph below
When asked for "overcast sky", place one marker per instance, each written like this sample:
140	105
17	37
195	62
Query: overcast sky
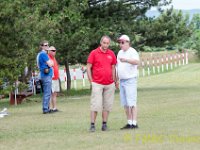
186	4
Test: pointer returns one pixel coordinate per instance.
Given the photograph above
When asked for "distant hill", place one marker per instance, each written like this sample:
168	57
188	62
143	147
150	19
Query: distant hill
155	13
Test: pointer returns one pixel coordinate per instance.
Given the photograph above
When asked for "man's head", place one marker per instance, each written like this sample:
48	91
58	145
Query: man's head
52	50
44	45
105	42
124	42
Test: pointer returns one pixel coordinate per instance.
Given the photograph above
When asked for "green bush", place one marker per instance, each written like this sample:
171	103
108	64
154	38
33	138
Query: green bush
147	49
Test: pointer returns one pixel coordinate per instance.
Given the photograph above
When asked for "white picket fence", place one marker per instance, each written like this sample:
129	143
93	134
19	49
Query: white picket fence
76	74
149	66
162	63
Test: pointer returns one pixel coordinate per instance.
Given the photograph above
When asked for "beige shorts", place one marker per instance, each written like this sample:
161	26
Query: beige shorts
55	86
102	97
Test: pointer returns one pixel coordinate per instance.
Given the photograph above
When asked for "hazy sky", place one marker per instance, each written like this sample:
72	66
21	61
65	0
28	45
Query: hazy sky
186	4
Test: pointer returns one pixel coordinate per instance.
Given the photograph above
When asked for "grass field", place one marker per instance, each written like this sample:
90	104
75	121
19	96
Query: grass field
169	118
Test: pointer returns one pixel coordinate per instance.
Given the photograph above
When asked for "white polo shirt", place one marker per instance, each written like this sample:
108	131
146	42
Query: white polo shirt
126	70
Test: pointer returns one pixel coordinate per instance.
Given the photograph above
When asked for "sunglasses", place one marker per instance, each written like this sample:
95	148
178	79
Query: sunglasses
53	50
122	43
45	45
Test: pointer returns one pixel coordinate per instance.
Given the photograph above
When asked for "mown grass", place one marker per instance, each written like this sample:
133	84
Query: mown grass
168	119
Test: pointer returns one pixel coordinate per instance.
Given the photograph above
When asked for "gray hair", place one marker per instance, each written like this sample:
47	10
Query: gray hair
105	36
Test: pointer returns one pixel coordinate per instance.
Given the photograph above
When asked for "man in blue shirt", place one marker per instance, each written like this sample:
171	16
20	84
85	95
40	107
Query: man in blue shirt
46	73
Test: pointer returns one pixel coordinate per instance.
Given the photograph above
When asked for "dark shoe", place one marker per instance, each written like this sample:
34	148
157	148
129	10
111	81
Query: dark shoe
54	110
128	126
92	128
51	111
135	126
46	112
104	127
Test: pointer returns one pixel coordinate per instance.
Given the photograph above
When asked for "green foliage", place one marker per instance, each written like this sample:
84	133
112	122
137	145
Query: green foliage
147	49
168	29
194	41
116	17
75	28
23	24
13	45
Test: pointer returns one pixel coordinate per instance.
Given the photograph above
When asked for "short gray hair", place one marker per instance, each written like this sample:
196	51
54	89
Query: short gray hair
105	36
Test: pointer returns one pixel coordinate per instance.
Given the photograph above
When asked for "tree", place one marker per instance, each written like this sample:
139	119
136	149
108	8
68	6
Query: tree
194	41
13	43
75	28
23	24
115	17
70	37
169	28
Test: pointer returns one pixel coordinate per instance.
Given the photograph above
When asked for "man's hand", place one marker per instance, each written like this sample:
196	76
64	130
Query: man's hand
117	84
50	63
123	60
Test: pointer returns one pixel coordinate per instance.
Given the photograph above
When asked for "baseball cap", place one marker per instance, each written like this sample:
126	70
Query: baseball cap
124	38
51	48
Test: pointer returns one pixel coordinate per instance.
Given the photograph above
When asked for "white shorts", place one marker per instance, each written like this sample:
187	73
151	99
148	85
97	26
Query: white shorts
55	86
128	92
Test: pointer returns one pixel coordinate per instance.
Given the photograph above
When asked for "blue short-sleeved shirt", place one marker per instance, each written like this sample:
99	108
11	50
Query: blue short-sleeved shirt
43	58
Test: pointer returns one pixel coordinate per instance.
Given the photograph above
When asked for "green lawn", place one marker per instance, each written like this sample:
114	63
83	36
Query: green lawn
169	118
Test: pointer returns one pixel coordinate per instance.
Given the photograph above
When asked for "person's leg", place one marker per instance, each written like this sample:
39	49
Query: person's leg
104	120
55	89
93	116
105	115
134	113
131	115
108	98
54	100
124	102
128	112
41	90
46	81
131	112
123	97
130	96
95	103
126	109
131	93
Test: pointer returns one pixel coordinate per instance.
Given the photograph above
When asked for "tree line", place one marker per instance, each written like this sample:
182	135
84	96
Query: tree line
75	28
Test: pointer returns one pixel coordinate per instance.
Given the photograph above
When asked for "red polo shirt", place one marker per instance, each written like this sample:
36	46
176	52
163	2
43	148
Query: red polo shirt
55	68
102	65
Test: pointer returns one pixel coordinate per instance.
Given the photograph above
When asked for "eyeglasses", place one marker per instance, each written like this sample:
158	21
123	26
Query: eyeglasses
45	45
53	50
122	42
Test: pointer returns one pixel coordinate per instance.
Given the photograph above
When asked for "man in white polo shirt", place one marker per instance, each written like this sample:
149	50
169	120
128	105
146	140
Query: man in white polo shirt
127	62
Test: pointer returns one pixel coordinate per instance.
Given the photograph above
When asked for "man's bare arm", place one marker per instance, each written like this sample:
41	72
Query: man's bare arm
89	71
50	63
130	61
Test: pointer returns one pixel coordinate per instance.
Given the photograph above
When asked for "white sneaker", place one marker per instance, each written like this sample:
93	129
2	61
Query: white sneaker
1	115
4	110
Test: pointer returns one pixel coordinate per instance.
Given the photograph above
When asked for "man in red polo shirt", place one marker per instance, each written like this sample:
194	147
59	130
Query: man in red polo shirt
101	74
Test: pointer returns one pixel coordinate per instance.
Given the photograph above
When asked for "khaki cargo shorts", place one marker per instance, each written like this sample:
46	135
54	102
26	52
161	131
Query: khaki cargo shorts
102	97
